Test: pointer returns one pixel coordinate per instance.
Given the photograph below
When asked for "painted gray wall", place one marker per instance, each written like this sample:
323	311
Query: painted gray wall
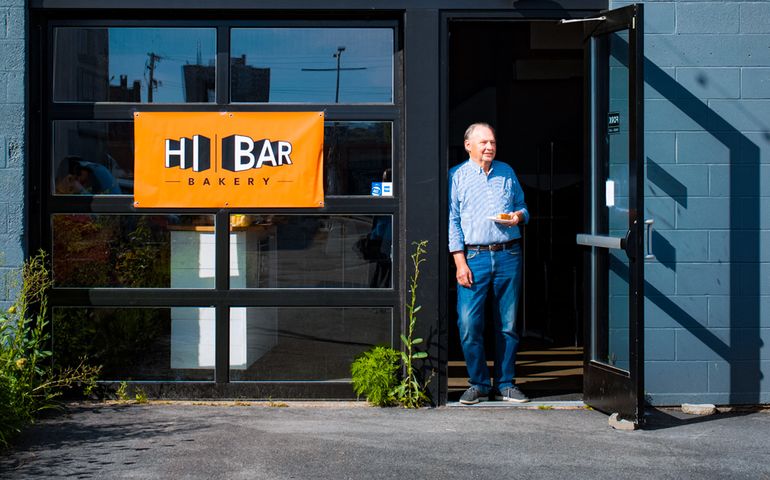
707	143
12	128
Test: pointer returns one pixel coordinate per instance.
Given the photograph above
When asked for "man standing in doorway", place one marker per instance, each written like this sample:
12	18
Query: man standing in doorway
486	205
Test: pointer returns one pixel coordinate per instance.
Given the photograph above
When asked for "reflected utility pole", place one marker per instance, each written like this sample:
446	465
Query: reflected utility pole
152	84
338	56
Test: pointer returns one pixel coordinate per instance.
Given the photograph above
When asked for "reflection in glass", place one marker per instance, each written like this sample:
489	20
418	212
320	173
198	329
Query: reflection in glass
312	65
617	210
147	65
356	154
93	158
303	344
311	251
137	343
133	251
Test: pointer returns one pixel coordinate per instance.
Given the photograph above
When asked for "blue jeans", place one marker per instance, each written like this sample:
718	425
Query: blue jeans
499	274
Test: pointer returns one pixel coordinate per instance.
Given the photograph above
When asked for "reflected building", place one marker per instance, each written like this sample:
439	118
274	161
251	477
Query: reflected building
121	92
199	82
88	78
249	84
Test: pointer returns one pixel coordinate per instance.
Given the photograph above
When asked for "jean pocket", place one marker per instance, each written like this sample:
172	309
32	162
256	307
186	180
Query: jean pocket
514	251
471	254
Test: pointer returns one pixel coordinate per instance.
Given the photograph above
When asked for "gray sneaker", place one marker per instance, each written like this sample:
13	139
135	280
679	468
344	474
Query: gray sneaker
473	396
511	394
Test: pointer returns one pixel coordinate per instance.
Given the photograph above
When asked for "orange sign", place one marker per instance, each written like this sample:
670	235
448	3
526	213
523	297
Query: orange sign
228	159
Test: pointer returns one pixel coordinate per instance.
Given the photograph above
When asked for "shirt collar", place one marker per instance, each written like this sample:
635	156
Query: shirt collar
475	167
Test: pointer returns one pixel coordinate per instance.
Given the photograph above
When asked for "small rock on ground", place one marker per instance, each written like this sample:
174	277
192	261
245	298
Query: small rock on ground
699	408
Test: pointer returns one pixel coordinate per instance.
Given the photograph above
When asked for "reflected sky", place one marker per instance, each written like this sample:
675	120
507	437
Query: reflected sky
289	52
289	65
130	49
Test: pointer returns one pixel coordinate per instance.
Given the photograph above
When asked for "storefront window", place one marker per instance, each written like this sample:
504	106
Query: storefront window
312	65
357	157
97	158
133	251
136	65
302	344
310	251
93	158
170	344
103	243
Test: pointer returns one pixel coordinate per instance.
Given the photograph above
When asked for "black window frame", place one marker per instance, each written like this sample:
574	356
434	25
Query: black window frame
44	203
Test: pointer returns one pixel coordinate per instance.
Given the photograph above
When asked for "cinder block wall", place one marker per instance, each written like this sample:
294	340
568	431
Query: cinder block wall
707	142
12	146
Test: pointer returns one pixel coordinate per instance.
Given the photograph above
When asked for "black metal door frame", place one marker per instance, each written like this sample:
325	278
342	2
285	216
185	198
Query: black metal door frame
605	387
471	16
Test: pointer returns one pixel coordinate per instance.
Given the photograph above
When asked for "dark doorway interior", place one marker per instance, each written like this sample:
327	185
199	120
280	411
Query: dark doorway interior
526	79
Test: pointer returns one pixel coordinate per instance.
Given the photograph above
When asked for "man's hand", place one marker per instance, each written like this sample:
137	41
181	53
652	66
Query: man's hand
464	275
516	217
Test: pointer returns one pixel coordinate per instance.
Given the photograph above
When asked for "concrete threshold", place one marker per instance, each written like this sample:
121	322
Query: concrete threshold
533	405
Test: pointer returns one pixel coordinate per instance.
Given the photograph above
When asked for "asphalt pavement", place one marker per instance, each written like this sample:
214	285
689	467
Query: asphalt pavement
349	440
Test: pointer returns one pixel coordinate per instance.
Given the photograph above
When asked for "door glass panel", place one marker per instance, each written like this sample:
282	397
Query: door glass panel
617	201
312	65
150	344
311	251
133	251
147	65
357	156
303	343
93	158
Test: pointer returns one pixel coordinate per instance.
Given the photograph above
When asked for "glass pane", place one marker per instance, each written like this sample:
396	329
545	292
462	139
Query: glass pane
93	158
311	251
312	65
147	65
356	156
303	344
144	251
617	202
137	343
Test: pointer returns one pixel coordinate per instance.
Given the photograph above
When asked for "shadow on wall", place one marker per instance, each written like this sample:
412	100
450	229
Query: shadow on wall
742	351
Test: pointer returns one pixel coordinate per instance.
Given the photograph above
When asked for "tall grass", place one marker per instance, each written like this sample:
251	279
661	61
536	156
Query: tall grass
29	382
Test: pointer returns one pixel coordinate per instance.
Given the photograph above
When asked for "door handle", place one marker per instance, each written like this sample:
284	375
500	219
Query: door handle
648	255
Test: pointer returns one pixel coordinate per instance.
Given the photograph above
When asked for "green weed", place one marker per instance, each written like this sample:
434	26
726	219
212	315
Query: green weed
140	395
29	382
122	392
375	372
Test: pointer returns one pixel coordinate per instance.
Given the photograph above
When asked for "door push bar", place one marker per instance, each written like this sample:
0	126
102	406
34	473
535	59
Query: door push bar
601	241
617	242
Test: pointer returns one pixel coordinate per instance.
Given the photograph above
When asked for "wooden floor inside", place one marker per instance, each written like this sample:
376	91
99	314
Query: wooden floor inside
543	373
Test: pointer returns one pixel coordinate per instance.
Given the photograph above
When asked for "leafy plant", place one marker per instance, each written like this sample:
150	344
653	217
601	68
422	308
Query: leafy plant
375	372
375	375
29	384
410	393
140	395
122	392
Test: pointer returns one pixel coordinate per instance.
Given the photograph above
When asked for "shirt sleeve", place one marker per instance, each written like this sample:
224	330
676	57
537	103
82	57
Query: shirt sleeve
456	237
518	199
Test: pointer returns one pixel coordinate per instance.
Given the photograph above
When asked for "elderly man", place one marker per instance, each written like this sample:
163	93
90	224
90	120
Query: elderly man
486	205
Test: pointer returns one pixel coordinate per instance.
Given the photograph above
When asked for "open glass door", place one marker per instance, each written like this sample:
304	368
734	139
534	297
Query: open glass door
613	380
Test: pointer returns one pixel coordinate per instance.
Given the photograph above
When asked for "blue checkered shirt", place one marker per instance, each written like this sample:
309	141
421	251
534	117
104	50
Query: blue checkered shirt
475	196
